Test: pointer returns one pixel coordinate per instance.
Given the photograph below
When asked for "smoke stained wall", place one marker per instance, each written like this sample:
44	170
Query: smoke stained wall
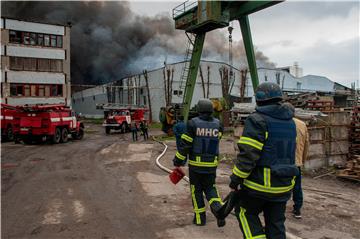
109	41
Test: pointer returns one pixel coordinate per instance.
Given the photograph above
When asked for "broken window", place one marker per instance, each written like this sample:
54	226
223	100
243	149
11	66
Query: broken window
40	39
53	90
59	41
14	37
177	92
13	91
26	38
46	40
53	40
59	90
33	39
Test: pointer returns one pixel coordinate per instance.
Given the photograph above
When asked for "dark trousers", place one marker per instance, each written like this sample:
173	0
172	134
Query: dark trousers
200	184
145	133
248	216
297	193
134	135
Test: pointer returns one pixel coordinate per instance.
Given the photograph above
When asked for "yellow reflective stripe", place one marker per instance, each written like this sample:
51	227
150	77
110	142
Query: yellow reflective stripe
244	223
266	135
262	188
240	173
180	156
215	200
200	210
198	159
217	193
196	209
262	236
203	164
267	179
220	135
187	138
252	142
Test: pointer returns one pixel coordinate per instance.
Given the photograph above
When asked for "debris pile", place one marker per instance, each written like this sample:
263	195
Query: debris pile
352	170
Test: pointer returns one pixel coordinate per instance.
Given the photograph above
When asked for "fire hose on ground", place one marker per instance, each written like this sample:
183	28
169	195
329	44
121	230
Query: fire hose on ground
288	235
161	155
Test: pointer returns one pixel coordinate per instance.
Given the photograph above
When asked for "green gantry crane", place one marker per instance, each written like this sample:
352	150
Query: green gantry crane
197	18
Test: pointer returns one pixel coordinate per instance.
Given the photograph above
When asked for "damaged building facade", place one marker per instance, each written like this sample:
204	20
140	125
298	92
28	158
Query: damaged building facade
35	63
164	86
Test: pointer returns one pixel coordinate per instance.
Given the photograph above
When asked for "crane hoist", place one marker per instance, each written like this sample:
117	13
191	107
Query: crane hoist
198	18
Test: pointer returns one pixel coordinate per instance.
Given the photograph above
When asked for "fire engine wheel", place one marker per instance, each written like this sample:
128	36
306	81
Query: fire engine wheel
79	135
123	128
64	135
57	136
10	134
107	130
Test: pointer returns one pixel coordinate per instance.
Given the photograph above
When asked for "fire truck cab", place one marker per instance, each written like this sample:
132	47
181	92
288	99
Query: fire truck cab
120	117
53	122
7	122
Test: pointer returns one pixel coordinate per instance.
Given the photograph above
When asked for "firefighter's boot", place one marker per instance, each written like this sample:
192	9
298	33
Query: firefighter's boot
199	219
216	209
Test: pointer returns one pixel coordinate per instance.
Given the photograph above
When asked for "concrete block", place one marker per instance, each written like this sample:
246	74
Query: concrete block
337	159
316	134
314	163
339	147
339	118
316	149
339	132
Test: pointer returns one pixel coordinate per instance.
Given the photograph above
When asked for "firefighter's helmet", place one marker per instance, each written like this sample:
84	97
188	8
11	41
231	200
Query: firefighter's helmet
268	91
205	106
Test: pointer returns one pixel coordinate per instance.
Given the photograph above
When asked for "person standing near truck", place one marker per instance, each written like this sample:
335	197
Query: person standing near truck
144	129
134	130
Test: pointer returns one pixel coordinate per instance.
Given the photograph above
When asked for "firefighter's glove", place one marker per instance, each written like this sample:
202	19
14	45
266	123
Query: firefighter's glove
234	185
177	163
235	182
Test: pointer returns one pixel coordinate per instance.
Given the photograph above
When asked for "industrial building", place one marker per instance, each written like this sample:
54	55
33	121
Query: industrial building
35	63
166	86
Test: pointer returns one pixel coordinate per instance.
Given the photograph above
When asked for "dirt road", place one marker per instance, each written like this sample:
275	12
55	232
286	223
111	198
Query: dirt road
109	187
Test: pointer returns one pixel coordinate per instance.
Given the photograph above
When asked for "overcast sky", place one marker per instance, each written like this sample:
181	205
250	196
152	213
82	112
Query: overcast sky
322	36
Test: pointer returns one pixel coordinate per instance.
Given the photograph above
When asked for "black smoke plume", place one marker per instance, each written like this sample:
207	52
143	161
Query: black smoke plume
109	41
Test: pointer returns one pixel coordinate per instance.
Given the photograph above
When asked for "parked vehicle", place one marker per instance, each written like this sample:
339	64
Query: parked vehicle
7	122
47	122
120	117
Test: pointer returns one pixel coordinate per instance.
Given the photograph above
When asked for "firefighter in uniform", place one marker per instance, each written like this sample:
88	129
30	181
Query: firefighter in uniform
200	145
264	171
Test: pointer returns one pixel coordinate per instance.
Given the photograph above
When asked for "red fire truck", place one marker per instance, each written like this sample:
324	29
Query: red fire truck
7	122
47	122
119	117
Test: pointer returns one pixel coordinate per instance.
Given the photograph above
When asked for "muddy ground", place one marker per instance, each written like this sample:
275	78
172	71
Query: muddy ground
106	186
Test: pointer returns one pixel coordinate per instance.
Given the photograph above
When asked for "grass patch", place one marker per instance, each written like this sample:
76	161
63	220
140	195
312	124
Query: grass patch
165	137
90	131
93	121
155	125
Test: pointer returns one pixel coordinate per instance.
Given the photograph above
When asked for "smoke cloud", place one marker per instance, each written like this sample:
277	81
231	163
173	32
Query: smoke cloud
109	41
